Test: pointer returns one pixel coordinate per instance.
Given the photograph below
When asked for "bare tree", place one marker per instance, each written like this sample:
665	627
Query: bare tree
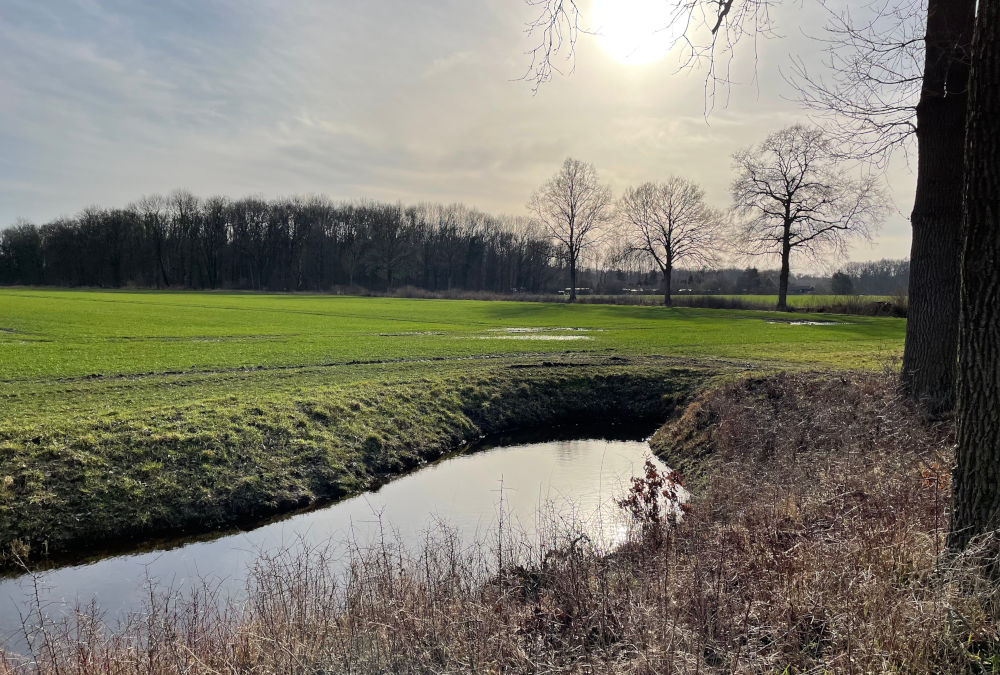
669	222
930	350
153	211
899	74
573	207
976	490
792	194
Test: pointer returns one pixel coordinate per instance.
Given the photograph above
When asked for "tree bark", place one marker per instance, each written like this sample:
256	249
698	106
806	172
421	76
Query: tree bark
667	272
572	279
976	487
786	254
159	260
930	350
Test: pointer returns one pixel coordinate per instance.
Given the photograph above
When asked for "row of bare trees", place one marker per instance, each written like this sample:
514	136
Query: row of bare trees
791	194
287	244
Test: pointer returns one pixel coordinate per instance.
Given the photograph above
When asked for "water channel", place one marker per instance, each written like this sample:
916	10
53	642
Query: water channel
572	475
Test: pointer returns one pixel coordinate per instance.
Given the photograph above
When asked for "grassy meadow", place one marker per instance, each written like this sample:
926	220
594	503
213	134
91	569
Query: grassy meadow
126	414
56	336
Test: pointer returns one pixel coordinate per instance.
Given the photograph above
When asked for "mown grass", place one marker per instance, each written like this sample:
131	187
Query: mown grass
130	413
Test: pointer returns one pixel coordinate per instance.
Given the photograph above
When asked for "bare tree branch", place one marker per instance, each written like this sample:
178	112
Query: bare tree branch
866	95
710	32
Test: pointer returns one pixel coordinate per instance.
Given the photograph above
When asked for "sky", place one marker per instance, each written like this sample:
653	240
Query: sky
103	101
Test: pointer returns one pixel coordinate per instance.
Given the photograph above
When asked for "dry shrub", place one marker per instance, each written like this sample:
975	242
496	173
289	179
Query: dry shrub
813	544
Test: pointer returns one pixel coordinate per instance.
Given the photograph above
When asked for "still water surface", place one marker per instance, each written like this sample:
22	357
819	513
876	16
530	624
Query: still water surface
572	479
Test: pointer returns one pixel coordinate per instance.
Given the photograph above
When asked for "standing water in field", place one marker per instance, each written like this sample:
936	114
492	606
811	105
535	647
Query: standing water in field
574	481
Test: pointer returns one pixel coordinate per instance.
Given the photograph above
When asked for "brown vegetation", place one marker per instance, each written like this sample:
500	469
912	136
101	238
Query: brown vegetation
814	543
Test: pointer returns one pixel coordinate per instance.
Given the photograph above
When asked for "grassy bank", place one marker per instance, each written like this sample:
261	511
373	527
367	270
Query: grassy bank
816	546
73	485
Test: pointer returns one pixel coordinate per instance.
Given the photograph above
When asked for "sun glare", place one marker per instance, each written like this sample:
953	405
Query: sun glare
634	31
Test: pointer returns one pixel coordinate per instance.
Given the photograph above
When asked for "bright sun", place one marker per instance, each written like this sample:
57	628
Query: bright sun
634	31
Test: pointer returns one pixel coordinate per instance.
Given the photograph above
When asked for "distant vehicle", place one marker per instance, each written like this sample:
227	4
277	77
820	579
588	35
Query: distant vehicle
579	291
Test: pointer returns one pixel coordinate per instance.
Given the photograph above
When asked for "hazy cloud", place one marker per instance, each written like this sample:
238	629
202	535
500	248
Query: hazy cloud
102	101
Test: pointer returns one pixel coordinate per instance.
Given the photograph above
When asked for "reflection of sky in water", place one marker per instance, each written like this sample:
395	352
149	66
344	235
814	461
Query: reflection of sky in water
569	481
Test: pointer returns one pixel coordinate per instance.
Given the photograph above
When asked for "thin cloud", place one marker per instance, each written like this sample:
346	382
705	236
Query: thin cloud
103	101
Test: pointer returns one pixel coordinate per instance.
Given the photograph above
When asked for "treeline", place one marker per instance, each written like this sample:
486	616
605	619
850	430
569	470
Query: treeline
314	244
879	277
287	244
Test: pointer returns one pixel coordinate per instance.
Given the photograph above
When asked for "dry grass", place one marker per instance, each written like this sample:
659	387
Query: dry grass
814	544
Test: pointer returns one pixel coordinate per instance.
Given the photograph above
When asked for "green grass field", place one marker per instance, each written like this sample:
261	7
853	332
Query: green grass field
64	351
56	335
140	412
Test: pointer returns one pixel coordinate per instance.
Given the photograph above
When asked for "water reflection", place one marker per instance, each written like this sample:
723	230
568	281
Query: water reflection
571	480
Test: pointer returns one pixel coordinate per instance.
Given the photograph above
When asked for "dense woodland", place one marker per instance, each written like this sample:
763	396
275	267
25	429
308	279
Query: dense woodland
181	241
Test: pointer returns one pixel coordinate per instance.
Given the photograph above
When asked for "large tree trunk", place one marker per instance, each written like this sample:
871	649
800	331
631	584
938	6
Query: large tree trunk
786	254
930	350
572	279
667	273
976	508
